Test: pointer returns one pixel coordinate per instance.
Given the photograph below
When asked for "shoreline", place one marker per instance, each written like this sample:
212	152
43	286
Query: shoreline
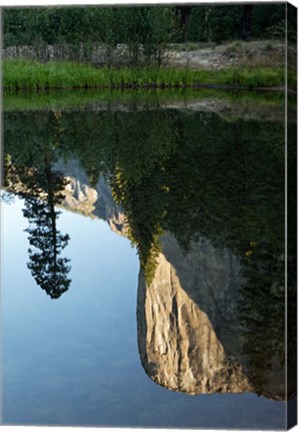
132	86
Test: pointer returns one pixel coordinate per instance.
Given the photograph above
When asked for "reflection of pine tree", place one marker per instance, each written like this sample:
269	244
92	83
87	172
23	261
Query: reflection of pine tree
49	270
29	173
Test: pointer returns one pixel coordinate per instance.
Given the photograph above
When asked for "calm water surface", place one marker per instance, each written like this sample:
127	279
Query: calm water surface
143	269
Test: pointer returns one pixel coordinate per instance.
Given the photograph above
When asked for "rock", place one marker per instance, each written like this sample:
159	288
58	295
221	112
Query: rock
96	202
179	327
190	333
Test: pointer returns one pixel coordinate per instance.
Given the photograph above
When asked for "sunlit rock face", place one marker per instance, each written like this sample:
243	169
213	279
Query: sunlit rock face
97	201
180	315
79	197
190	333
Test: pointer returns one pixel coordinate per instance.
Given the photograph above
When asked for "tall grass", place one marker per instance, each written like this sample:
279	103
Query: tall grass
24	74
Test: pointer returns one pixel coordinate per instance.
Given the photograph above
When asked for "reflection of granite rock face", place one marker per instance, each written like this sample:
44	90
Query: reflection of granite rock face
80	197
190	334
178	344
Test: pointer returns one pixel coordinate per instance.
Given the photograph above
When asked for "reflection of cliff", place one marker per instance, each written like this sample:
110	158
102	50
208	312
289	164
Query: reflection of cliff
178	344
191	337
96	201
202	326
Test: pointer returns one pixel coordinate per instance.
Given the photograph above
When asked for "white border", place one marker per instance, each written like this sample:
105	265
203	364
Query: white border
111	2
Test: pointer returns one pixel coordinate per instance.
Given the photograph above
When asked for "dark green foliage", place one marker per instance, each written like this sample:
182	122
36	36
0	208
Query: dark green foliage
151	27
270	20
189	173
200	176
145	30
292	25
292	241
215	23
48	269
261	309
41	188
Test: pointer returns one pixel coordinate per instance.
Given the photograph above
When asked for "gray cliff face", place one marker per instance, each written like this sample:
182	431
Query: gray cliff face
190	334
186	319
95	202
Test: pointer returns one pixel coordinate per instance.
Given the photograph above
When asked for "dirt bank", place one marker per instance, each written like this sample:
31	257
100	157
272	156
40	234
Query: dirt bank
192	55
237	53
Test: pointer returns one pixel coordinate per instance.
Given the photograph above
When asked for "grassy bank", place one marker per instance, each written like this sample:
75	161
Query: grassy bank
111	98
229	105
23	74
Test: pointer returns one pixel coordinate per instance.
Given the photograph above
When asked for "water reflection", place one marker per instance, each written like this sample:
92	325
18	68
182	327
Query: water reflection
188	324
32	177
206	325
48	269
202	199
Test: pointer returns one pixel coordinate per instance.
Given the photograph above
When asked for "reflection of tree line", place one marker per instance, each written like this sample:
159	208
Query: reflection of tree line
261	308
192	174
32	177
292	250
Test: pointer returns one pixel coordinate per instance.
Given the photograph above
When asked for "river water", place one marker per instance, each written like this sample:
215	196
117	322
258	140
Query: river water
143	264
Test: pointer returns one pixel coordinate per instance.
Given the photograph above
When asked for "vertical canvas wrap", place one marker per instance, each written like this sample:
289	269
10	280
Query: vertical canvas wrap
149	216
291	211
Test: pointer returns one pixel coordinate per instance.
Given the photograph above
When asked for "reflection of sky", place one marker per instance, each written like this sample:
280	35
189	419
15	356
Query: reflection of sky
75	361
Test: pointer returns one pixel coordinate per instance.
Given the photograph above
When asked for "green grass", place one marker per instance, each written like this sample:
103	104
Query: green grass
23	74
105	98
75	99
232	104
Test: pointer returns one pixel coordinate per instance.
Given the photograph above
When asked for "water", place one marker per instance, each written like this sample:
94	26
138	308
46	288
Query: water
152	294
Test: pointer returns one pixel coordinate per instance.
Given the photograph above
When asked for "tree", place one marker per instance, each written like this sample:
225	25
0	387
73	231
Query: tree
183	14
140	27
28	170
42	194
246	22
49	271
